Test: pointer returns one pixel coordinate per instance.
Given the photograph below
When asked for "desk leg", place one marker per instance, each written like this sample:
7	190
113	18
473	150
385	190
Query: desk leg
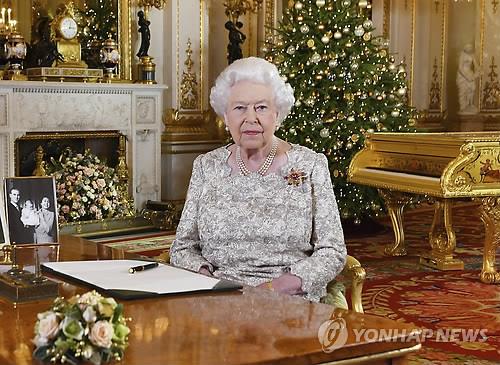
442	239
395	203
490	215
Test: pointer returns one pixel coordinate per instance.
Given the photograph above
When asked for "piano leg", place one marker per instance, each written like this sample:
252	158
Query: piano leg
395	203
490	215
442	239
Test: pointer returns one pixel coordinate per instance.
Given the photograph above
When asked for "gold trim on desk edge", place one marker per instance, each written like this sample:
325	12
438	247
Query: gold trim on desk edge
381	356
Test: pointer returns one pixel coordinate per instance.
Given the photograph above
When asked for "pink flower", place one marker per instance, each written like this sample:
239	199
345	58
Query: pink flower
48	326
101	334
101	183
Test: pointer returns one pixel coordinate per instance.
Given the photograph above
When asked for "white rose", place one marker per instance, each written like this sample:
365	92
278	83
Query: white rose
90	298
89	315
48	326
101	334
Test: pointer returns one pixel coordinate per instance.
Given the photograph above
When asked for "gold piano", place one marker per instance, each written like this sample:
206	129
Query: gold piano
446	167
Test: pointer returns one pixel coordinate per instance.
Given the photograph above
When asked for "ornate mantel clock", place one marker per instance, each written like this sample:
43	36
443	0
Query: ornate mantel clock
65	32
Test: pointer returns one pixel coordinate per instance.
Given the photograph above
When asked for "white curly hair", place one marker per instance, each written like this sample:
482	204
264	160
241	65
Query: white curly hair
257	70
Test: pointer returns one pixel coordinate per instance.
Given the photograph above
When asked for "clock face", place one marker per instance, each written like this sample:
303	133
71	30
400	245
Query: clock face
68	28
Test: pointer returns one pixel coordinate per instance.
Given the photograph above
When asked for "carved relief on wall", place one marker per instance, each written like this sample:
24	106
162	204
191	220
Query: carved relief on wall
4	154
81	111
146	110
3	109
189	84
435	90
491	90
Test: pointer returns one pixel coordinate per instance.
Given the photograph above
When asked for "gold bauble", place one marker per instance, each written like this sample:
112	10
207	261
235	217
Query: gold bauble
310	43
367	36
355	137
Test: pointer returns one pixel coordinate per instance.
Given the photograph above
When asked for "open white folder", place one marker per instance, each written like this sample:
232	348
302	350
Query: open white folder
114	276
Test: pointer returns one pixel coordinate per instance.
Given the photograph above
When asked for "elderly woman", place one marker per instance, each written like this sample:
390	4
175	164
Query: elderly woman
261	211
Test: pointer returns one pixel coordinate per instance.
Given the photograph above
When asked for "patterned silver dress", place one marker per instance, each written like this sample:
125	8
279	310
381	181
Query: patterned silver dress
251	229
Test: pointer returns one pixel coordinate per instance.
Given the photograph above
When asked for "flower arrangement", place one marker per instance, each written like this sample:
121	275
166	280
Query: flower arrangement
87	327
87	189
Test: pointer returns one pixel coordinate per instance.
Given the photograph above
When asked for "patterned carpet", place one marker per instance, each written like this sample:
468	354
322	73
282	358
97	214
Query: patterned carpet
401	289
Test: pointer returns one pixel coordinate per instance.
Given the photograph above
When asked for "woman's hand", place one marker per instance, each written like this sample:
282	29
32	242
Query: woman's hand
285	284
204	271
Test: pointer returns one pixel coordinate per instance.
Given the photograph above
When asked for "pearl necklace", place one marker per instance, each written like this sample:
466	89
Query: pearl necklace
265	166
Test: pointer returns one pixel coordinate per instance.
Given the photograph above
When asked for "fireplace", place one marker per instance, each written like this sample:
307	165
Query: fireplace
84	115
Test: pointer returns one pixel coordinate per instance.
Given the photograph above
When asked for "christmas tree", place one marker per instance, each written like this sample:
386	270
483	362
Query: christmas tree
99	20
346	84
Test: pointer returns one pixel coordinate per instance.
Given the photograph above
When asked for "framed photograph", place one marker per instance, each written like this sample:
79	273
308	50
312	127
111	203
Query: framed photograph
31	210
4	238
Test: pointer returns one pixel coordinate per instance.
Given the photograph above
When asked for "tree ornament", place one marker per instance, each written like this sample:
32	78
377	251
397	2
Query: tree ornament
395	113
304	29
359	31
355	137
368	24
325	39
402	91
298	103
333	63
320	3
299	5
325	133
392	67
310	43
290	50
363	4
346	30
321	26
315	58
348	145
350	118
292	131
374	119
348	44
412	121
346	3
337	35
367	36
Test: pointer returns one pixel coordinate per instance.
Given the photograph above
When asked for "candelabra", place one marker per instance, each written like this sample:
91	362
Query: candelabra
237	8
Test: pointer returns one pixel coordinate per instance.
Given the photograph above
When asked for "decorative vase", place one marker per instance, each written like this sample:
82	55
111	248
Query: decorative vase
110	57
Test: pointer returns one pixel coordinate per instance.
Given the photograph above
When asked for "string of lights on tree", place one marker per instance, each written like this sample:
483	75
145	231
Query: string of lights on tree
98	21
346	85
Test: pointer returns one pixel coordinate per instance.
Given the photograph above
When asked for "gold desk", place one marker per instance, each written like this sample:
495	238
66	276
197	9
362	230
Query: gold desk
254	326
444	166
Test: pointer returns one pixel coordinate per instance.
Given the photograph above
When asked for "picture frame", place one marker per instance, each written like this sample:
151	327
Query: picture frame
31	210
4	233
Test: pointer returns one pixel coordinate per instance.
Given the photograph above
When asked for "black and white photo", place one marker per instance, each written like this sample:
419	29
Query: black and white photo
31	210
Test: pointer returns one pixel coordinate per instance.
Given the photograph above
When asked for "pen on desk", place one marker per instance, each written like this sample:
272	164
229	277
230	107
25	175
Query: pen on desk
143	267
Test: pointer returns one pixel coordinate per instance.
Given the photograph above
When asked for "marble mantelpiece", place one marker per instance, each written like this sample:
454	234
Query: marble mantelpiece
134	110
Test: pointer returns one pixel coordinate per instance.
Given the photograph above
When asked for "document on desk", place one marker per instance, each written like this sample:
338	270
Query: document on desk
114	276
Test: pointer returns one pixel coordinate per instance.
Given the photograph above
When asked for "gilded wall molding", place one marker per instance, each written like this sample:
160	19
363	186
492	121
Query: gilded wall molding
189	83
435	89
491	90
